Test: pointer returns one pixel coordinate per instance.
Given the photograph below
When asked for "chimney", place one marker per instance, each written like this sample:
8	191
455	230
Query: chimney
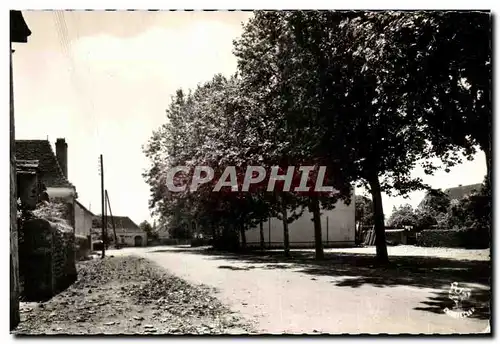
62	155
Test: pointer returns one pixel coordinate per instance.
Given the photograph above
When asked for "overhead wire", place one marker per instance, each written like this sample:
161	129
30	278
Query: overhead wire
66	47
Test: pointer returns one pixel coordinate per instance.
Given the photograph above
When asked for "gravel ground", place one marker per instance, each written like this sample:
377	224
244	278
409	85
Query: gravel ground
129	295
417	251
300	297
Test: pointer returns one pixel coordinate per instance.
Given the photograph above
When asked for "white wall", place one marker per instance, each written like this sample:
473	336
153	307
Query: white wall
339	232
83	221
129	237
63	192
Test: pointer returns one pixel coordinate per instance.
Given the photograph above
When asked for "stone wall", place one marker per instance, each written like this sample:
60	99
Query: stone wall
47	258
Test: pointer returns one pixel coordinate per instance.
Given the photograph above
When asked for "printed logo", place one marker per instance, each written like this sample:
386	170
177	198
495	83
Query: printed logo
459	295
299	179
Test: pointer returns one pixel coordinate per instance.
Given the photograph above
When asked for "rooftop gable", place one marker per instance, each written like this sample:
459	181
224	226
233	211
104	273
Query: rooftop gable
120	222
49	170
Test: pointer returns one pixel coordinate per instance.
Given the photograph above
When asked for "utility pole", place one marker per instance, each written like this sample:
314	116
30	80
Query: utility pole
117	245
106	221
102	207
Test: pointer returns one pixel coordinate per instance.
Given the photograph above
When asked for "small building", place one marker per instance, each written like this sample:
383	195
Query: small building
83	222
337	229
128	233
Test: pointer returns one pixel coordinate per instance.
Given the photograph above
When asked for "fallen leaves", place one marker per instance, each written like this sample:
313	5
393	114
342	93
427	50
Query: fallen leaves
117	295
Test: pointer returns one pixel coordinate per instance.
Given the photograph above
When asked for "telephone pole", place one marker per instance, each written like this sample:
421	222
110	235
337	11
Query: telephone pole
117	245
102	207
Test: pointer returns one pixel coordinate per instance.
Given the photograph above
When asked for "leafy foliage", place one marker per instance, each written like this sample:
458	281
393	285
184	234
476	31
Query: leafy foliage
364	210
146	227
402	216
370	95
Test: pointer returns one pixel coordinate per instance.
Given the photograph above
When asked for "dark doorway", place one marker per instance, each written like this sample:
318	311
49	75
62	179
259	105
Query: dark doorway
138	241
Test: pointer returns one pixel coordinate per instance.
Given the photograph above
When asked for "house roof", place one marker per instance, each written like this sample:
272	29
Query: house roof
121	222
49	170
84	209
458	192
462	191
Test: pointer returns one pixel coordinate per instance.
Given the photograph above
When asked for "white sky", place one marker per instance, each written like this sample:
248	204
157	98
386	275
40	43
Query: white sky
103	80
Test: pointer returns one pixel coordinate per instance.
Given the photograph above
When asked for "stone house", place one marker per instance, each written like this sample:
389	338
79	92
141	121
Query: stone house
19	33
128	233
43	174
52	168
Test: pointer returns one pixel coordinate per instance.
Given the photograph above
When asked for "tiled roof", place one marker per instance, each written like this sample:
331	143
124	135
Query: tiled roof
462	191
49	170
121	222
458	192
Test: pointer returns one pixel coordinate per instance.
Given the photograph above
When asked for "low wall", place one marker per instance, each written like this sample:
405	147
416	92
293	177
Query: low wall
174	242
46	258
82	246
305	244
464	238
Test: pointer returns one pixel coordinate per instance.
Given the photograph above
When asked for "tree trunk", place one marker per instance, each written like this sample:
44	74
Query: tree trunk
261	227
489	162
243	235
318	240
286	238
214	232
378	214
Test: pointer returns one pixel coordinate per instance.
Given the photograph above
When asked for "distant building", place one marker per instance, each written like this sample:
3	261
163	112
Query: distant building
462	191
128	232
83	221
458	192
163	232
337	227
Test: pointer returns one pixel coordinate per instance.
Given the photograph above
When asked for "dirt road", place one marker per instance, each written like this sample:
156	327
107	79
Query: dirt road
128	295
286	297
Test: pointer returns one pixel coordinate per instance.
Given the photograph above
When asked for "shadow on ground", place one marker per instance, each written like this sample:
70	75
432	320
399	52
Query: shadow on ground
356	269
479	301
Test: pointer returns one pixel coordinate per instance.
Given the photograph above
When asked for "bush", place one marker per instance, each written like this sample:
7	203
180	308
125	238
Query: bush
472	238
200	242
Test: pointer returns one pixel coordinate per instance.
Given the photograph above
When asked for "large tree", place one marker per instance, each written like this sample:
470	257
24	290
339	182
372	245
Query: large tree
308	69
444	59
209	127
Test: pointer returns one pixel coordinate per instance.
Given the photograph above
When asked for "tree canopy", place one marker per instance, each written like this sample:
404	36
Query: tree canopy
369	95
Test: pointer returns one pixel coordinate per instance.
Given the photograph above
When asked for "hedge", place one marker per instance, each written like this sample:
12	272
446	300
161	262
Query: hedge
464	238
